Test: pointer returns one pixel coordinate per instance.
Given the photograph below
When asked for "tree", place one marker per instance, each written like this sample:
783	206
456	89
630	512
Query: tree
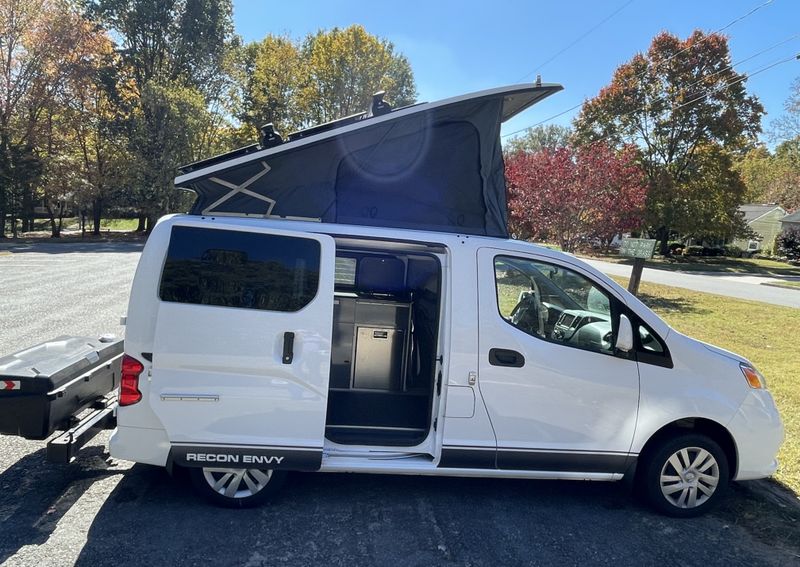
345	67
711	194
172	40
671	101
773	177
83	152
788	243
40	42
175	52
169	118
270	74
550	137
572	196
788	125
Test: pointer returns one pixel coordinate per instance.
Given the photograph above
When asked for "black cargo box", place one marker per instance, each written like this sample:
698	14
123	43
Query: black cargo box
42	387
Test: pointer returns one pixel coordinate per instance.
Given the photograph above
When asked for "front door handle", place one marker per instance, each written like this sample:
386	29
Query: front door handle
288	347
505	357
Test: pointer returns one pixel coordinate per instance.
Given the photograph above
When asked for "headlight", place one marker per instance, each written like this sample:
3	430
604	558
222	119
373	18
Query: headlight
753	376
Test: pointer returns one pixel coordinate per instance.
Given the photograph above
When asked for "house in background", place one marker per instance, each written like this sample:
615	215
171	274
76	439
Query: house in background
791	221
765	221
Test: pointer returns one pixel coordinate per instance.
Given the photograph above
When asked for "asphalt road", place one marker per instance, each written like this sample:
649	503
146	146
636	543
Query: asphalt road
101	512
742	286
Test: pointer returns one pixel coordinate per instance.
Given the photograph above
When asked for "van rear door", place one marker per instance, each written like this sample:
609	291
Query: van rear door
242	345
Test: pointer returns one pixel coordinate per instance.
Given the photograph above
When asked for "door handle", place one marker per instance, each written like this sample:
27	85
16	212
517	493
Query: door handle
504	357
288	347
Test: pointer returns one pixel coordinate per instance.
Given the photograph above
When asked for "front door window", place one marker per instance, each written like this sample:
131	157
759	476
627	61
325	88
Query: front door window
554	304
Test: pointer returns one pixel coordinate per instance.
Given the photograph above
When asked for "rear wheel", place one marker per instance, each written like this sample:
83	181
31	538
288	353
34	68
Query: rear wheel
685	476
236	488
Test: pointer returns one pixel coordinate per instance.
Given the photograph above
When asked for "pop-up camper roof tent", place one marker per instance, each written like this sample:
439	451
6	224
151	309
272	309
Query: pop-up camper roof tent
431	166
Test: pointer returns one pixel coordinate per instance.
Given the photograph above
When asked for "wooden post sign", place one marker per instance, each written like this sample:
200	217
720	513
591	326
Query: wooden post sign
640	249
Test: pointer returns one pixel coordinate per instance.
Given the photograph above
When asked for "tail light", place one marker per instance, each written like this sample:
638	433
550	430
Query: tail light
129	393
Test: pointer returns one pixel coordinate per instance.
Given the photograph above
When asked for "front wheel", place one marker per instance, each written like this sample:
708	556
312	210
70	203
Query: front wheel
685	476
236	488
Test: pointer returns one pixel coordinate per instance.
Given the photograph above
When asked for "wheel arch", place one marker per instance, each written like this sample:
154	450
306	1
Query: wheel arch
705	426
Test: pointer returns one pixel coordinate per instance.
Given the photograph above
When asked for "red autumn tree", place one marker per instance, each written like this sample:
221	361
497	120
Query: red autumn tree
572	195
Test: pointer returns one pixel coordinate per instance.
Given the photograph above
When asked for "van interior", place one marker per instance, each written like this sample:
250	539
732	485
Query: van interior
385	346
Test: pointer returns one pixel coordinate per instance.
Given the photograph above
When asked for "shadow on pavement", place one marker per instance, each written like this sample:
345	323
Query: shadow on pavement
35	495
340	519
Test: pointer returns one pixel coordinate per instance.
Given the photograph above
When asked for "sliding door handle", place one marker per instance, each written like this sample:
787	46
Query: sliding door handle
288	347
504	357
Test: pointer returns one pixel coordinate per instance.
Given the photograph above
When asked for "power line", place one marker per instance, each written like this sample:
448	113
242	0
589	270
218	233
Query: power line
705	95
548	119
577	40
720	30
745	60
723	28
744	77
716	88
698	81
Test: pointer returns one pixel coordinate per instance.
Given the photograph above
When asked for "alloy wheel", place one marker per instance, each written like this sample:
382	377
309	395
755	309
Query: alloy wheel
237	483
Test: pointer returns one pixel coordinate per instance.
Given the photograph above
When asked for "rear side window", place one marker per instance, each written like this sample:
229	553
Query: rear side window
248	270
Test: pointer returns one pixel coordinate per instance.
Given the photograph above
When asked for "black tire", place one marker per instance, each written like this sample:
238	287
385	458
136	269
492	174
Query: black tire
244	496
690	491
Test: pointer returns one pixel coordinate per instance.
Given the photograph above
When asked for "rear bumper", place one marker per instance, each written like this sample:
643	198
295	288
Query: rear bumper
758	432
141	445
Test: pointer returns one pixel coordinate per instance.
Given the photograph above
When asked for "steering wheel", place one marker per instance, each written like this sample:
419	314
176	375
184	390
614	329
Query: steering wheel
529	313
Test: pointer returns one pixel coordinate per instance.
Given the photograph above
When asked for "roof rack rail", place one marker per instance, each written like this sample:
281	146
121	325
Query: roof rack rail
333	124
194	166
269	137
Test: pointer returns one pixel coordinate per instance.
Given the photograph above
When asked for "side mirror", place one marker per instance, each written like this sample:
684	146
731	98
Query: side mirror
624	334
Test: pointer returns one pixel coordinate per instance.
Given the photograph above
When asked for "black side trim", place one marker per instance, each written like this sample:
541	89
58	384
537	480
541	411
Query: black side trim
460	458
286	458
533	460
563	462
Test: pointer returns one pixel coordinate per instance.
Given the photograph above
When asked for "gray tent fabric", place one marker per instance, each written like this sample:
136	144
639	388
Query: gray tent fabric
438	169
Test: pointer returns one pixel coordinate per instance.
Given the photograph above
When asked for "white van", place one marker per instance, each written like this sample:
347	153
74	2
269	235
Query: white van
256	346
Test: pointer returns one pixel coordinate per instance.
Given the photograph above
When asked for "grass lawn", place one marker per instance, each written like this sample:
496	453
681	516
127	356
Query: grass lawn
768	335
119	224
787	285
754	266
73	224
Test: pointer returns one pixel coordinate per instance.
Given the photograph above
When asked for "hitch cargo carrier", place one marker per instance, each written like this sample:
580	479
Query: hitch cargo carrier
55	385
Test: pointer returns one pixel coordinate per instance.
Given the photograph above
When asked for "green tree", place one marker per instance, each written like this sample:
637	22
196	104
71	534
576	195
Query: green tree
678	97
345	67
269	76
175	52
773	177
711	194
788	243
172	40
168	120
788	125
96	109
538	138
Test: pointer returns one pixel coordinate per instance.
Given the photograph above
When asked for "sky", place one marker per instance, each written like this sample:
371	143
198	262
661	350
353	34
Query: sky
460	47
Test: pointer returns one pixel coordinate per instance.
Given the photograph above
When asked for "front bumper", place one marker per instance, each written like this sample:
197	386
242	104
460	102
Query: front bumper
758	432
